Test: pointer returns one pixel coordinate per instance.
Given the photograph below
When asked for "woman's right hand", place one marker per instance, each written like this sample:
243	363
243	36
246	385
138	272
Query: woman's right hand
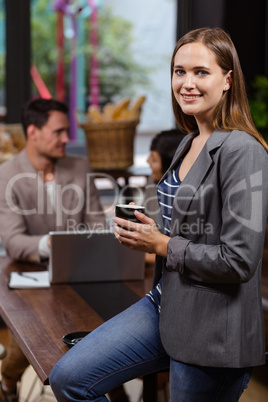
144	236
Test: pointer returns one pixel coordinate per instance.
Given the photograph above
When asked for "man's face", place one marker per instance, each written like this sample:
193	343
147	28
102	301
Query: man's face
50	141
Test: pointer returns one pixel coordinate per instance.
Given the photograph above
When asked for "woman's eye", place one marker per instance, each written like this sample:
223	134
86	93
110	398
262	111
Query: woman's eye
179	72
202	72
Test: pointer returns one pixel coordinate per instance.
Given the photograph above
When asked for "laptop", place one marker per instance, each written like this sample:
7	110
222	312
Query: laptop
92	256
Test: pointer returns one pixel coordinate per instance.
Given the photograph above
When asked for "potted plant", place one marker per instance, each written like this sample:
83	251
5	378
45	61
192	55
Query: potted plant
258	102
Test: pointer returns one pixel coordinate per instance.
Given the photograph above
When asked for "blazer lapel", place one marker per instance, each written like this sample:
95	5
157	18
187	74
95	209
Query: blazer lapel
196	175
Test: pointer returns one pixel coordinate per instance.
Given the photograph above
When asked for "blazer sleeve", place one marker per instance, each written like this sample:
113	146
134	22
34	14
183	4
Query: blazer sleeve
237	253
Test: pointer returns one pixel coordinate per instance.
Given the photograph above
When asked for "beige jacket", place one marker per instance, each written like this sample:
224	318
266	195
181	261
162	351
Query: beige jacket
26	213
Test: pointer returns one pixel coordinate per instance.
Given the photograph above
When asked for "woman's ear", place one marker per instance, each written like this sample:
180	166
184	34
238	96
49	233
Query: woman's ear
228	82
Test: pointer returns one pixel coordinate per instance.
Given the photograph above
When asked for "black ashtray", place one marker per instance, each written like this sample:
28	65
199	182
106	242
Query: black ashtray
126	211
74	337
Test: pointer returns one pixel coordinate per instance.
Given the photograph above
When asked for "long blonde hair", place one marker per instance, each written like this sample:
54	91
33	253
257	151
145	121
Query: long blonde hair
232	112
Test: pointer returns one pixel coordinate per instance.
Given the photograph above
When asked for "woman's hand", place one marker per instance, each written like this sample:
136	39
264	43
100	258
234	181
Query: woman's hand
143	236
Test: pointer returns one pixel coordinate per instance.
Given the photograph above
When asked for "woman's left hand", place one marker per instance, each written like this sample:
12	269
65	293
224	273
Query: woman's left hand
143	236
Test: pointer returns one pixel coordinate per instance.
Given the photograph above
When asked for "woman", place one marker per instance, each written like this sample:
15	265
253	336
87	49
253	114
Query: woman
208	328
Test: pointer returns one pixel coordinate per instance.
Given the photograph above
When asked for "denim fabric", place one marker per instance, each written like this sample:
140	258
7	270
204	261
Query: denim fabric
189	383
129	346
121	349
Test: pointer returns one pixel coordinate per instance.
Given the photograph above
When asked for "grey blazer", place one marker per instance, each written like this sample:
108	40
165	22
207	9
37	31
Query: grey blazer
211	306
26	213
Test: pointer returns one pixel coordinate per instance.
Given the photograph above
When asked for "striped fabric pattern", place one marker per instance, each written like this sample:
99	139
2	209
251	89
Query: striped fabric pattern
166	193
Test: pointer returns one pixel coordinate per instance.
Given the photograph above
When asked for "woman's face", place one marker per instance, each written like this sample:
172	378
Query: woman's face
198	82
155	163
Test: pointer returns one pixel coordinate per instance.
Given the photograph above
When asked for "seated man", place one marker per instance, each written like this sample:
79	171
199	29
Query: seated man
42	190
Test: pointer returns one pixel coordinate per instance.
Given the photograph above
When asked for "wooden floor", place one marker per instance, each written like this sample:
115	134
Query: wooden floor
257	390
258	387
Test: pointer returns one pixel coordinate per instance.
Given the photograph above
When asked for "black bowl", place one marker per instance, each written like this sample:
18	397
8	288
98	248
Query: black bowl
74	337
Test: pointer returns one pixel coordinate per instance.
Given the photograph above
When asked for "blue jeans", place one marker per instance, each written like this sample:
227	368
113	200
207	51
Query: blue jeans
129	346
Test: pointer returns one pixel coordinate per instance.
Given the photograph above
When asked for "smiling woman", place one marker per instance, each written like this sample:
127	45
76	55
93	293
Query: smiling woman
203	318
234	96
198	82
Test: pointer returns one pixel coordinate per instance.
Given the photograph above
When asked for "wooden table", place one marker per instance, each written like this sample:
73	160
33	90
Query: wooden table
39	318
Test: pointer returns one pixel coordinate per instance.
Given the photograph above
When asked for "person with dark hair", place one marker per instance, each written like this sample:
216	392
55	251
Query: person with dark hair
163	147
203	319
37	112
42	190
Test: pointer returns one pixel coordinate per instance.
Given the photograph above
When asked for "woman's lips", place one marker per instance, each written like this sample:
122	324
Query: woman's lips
190	97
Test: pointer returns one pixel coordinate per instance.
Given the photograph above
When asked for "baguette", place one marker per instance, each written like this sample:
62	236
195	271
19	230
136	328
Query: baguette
108	111
120	107
95	114
117	111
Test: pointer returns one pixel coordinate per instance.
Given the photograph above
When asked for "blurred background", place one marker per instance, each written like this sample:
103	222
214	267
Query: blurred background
120	48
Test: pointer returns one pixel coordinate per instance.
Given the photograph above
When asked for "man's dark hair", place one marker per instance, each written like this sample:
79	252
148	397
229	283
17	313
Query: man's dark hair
166	143
36	112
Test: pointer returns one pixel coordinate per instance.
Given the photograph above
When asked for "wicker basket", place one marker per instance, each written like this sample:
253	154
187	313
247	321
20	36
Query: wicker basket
110	144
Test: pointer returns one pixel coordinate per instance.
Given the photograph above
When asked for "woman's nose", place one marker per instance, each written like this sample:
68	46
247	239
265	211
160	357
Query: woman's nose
188	81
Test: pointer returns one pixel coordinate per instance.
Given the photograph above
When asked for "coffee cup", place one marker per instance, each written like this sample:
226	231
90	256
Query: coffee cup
126	211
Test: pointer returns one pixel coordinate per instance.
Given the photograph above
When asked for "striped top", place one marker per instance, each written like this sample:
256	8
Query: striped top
166	192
